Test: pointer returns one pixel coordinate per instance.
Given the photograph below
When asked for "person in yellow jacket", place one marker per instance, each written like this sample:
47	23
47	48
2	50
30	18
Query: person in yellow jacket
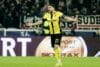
53	19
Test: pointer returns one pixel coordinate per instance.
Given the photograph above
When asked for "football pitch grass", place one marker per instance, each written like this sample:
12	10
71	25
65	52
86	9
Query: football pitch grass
48	62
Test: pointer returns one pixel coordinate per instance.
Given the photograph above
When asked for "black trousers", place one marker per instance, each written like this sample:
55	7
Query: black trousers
55	39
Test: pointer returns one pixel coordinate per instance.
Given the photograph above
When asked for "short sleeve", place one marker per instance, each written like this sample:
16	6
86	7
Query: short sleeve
45	16
60	14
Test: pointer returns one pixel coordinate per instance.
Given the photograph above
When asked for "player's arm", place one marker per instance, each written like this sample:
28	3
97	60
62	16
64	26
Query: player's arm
70	19
67	18
37	23
33	24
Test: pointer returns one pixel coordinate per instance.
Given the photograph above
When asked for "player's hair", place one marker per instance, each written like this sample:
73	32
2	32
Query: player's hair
50	6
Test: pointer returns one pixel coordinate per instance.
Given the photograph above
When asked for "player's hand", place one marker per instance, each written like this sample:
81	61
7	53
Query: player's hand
29	24
76	20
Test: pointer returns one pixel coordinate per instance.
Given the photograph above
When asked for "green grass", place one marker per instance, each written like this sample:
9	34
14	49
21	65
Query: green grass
48	62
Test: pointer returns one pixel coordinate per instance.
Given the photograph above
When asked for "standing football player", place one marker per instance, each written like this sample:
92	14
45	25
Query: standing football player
54	18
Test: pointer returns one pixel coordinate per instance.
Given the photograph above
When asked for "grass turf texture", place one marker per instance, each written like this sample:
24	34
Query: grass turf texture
48	62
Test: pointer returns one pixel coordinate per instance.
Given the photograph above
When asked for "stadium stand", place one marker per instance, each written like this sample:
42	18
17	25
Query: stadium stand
14	13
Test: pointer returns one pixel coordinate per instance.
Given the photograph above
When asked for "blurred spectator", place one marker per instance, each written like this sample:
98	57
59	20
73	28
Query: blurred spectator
84	11
76	11
2	13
